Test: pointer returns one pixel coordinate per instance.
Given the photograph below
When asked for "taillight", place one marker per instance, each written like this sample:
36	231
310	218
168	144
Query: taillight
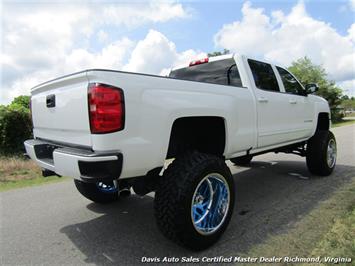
106	108
199	62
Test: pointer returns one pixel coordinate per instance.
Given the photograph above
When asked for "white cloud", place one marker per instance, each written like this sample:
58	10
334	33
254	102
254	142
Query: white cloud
111	56
251	34
155	54
20	87
102	36
352	4
351	33
348	87
282	38
42	40
151	54
155	11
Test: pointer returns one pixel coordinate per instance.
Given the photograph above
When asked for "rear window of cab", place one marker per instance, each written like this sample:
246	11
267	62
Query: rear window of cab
222	72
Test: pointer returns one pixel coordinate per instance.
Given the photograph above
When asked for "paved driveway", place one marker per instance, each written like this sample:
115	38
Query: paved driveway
54	225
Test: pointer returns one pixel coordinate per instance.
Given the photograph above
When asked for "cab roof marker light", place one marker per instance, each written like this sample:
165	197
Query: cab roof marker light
199	62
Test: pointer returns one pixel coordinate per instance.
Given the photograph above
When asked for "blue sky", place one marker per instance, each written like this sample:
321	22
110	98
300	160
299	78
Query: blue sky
41	40
209	16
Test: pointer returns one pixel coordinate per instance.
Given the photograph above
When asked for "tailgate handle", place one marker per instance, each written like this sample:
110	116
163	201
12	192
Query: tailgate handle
50	101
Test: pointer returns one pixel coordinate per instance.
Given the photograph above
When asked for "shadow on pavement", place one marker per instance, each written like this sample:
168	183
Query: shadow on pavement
270	198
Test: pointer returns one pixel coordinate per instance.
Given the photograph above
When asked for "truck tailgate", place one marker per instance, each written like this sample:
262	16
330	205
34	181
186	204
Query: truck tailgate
60	110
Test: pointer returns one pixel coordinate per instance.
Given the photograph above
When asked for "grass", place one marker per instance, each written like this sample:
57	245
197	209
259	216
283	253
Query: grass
327	231
340	240
352	114
343	123
16	172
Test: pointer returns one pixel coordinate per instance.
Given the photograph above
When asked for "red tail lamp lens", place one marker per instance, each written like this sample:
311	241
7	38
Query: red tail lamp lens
106	108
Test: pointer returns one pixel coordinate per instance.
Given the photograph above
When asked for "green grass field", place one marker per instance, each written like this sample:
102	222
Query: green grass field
327	231
343	123
339	241
17	172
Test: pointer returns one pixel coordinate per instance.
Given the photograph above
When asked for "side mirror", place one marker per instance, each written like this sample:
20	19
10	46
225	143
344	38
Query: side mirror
311	88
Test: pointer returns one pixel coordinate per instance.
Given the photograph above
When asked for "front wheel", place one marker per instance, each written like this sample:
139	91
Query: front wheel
321	153
194	200
99	192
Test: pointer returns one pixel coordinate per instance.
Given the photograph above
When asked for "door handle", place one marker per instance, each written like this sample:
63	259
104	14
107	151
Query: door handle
292	101
263	100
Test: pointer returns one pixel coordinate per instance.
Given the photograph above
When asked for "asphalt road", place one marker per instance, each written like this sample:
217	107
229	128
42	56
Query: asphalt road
54	225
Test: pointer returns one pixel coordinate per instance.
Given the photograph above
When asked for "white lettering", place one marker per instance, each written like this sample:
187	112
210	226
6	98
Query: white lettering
170	259
147	259
190	259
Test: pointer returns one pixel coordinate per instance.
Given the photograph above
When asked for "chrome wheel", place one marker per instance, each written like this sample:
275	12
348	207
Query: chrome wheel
331	153
107	187
210	203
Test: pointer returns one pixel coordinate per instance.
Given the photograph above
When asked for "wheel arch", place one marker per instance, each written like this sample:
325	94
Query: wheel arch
323	121
206	134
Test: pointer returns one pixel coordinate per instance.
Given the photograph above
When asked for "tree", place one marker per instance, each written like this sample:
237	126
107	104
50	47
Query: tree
308	72
345	97
225	51
348	104
15	126
22	100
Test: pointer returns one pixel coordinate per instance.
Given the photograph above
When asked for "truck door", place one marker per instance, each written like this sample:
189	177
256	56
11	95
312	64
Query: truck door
273	107
301	109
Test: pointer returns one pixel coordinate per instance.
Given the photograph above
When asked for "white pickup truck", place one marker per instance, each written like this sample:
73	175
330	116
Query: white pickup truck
112	131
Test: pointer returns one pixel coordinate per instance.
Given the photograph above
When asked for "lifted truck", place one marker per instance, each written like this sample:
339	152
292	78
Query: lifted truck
112	131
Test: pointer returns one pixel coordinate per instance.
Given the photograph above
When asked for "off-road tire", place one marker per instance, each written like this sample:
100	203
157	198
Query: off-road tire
242	160
173	199
316	153
92	192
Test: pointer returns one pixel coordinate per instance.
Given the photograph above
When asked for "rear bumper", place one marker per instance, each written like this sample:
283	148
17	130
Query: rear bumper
75	162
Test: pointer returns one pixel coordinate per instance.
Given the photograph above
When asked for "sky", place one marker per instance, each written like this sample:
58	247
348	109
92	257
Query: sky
41	40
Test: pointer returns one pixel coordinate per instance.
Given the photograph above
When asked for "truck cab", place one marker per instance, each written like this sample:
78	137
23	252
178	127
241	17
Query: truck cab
280	110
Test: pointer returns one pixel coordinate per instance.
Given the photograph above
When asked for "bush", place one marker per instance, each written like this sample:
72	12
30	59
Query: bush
15	128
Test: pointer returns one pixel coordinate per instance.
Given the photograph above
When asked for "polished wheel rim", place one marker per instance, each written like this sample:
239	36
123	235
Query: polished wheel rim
107	187
210	203
331	153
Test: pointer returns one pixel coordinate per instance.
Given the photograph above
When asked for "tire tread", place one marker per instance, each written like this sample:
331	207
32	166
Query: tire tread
176	185
316	153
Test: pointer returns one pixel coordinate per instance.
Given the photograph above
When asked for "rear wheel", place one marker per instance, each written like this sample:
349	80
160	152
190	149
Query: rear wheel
194	200
321	153
99	192
242	160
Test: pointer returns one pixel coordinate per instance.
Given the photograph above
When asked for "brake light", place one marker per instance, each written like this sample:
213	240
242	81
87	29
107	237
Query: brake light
106	108
199	62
